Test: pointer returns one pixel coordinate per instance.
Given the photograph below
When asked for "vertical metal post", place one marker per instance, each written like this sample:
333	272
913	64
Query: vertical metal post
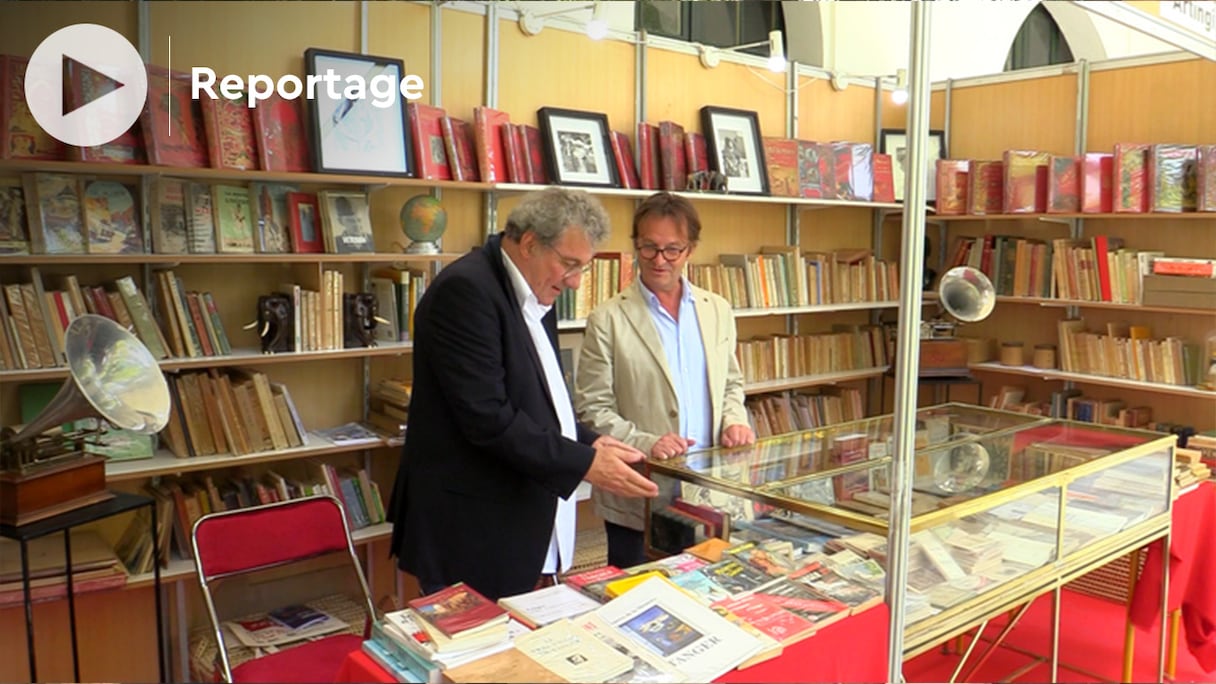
908	343
793	225
490	200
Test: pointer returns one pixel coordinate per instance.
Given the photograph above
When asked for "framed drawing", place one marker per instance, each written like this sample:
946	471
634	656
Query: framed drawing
894	141
735	149
355	134
578	150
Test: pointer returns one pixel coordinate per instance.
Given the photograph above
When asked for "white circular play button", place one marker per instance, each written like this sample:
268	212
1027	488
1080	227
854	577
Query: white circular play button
119	84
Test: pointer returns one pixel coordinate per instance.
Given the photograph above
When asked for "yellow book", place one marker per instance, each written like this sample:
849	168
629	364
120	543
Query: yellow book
618	587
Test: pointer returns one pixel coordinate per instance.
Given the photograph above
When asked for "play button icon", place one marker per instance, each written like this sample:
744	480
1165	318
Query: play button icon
101	57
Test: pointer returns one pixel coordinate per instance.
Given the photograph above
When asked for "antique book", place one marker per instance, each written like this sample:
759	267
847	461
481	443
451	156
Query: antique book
781	157
278	127
20	136
1096	181
986	187
233	214
1130	179
810	177
200	219
696	153
169	216
1205	179
490	145
458	143
272	221
1025	188
458	609
1063	185
623	153
430	153
534	154
111	218
687	635
231	142
345	221
172	121
14	232
884	180
53	210
572	653
1171	177
82	86
672	156
650	166
952	186
550	604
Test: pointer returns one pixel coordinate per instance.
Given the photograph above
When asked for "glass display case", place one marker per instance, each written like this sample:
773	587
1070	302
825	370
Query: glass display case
1000	500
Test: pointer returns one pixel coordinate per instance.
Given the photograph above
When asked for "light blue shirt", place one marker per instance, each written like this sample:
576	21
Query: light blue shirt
685	352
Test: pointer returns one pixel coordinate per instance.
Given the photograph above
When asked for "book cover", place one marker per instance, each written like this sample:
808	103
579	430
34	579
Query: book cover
810	179
573	653
430	152
862	173
233	213
1022	185
111	219
884	178
200	219
20	136
458	143
1063	185
696	153
647	666
458	608
14	234
1171	177
827	170
282	143
346	221
842	166
622	149
649	157
952	186
517	168
491	147
82	86
986	189
534	148
172	121
53	209
1096	181
781	157
231	142
548	605
305	225
762	612
168	212
672	157
1205	178
271	218
1130	178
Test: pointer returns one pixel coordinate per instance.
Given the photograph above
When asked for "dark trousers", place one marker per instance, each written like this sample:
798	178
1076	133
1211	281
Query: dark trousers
626	546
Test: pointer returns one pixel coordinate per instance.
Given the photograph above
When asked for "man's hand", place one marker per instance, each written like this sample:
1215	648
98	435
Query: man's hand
670	445
737	435
610	469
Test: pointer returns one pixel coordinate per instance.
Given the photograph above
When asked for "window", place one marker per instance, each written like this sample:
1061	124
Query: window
713	22
1038	43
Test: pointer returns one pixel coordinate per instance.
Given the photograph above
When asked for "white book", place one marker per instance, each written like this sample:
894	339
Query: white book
573	654
546	606
684	633
647	666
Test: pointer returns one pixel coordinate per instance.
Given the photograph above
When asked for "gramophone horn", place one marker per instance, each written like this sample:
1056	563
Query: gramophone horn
967	294
112	375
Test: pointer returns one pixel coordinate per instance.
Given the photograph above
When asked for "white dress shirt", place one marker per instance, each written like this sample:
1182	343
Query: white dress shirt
561	542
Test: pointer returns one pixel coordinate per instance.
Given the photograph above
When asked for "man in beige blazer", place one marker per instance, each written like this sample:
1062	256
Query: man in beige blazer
657	369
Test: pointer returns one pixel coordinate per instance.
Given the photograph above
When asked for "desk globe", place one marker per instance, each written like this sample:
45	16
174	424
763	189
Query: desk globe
423	220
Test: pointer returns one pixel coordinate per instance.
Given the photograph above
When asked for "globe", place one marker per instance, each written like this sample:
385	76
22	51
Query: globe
423	220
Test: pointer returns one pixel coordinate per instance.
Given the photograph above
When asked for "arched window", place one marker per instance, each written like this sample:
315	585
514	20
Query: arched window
717	23
1038	43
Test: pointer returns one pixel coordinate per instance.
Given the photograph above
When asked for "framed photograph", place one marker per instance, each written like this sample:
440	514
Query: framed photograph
305	225
354	135
578	150
894	141
735	149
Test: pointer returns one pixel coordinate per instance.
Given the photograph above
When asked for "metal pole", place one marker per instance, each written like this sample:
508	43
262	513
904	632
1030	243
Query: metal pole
490	201
908	343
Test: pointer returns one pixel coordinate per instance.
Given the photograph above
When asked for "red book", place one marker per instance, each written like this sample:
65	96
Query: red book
986	191
952	175
842	162
1022	184
231	142
305	223
20	136
1130	178
810	172
1063	185
517	166
696	152
649	165
458	608
279	129
827	170
458	142
623	152
1096	195
534	149
429	151
884	178
582	579
672	156
172	121
82	86
1205	178
491	147
781	157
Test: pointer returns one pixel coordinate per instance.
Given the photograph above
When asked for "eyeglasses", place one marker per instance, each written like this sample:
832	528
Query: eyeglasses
571	264
670	252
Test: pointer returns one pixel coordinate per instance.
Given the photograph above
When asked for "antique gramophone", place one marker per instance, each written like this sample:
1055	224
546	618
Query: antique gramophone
45	470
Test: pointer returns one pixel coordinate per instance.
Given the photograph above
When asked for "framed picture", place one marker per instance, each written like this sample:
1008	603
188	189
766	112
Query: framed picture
355	135
306	235
894	141
735	149
578	150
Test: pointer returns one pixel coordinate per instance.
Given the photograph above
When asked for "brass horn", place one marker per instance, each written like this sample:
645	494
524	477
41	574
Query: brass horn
967	294
112	375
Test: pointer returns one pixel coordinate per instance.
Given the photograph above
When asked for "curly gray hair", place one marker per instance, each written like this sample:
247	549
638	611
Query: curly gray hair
550	211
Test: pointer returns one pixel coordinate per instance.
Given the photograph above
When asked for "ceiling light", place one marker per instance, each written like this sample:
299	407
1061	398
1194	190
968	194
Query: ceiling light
900	95
597	28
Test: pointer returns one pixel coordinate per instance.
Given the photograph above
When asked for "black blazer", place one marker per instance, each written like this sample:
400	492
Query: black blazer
484	460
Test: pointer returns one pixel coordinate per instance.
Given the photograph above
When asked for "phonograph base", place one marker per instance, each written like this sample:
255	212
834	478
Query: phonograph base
43	492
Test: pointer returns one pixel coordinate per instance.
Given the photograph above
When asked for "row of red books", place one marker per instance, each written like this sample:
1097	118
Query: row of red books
1135	178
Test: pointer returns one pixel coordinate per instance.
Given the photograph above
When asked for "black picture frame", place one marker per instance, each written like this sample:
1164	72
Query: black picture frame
736	149
894	141
578	148
354	135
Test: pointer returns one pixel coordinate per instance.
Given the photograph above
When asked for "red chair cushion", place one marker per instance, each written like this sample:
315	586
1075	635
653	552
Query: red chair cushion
314	661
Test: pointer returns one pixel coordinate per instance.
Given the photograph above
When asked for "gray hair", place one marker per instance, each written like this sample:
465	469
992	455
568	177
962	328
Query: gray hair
550	211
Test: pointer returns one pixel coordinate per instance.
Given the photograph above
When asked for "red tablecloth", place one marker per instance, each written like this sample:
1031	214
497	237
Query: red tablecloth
1192	575
852	650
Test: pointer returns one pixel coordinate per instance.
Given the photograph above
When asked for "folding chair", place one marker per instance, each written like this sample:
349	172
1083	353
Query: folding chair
254	560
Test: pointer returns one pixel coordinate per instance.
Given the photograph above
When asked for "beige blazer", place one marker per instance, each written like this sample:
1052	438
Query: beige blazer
623	386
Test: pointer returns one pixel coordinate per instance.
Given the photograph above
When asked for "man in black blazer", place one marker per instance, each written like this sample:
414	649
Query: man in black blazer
485	459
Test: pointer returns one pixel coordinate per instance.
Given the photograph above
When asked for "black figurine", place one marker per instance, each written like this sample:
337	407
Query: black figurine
359	319
275	323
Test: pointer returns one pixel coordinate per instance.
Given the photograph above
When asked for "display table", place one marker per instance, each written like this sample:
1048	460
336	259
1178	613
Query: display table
852	650
1192	568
